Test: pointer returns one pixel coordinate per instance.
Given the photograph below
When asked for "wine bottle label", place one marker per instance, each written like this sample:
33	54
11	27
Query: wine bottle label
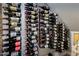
55	14
5	16
54	47
33	24
58	46
47	38
14	19
5	26
62	42
55	40
14	23
33	37
34	41
4	21
41	45
18	38
5	37
35	44
46	18
63	34
47	25
13	8
5	5
35	48
55	37
55	44
5	32
5	42
46	46
33	17
63	37
47	42
41	20
33	29
35	8
17	28
33	12
35	33
63	29
13	34
46	15
36	52
45	28
62	45
17	13
17	48
55	32
45	21
5	53
45	11
17	43
29	26
5	11
5	47
32	20
55	26
14	54
56	17
47	35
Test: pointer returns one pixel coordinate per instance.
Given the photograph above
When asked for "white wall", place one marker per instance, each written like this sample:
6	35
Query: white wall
69	13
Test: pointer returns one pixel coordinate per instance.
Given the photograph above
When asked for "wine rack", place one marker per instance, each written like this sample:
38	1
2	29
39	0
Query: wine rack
32	29
5	35
44	27
43	30
50	33
53	30
11	29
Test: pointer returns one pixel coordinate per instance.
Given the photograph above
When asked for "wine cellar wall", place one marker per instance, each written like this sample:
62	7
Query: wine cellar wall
33	25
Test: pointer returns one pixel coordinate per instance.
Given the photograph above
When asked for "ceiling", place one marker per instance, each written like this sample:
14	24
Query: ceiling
69	13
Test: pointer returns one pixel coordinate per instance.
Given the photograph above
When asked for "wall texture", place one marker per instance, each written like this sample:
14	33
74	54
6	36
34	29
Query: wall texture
69	13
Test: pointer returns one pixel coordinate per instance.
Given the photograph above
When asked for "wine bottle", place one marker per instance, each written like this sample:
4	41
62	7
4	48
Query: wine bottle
5	16
14	19
35	49
18	38
17	48
34	41
17	43
5	53
13	34
5	37
31	13
6	50
17	28
46	46
14	8
5	32
4	21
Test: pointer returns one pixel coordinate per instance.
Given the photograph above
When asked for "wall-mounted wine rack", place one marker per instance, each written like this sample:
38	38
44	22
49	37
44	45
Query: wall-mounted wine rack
32	29
11	14
42	29
51	33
